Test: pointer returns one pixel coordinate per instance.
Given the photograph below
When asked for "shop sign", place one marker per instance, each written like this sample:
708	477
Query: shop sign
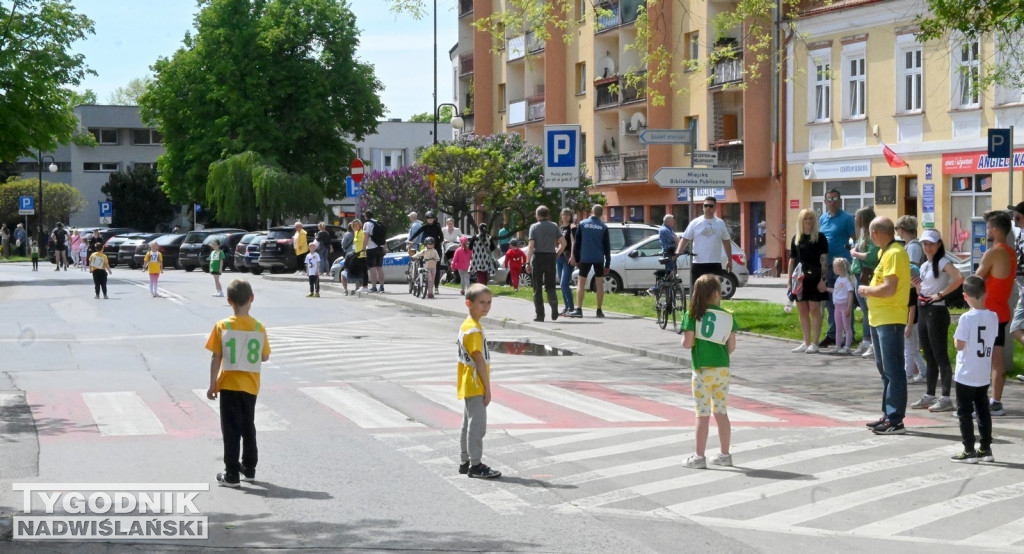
978	162
837	170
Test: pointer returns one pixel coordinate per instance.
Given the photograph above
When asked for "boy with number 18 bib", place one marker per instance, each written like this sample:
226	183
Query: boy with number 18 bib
239	345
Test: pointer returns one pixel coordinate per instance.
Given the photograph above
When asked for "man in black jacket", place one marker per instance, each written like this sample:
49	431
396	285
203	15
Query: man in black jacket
431	229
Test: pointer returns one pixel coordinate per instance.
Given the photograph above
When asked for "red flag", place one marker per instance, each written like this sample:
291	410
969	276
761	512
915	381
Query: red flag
891	157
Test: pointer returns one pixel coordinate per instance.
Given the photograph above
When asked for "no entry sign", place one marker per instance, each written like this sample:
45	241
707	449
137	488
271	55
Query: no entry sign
357	168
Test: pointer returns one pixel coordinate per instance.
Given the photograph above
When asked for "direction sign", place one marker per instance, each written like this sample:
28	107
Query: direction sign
357	168
26	205
352	188
667	136
704	157
693	177
561	156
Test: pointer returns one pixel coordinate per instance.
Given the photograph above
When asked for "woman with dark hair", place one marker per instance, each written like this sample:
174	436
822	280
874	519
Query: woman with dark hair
809	252
939	279
865	260
562	267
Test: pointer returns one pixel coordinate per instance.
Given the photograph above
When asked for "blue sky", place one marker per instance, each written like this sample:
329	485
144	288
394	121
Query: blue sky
132	34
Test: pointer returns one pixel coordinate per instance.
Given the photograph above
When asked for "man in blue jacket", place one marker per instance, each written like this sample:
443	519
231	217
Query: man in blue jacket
591	250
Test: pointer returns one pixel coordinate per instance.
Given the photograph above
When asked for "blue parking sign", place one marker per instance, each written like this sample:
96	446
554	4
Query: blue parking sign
106	209
352	188
26	203
561	156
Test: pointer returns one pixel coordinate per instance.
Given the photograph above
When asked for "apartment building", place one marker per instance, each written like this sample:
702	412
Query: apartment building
858	78
526	83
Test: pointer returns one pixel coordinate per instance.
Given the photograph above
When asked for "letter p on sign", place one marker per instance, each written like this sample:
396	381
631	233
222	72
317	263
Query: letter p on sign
999	143
561	149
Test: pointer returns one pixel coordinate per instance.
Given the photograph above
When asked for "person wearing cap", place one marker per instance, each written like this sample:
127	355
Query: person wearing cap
414	225
939	278
431	229
999	269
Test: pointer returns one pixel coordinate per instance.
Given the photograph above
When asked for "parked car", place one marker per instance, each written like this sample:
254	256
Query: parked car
188	254
633	269
168	245
112	246
228	242
395	264
126	251
252	255
277	254
241	264
87	233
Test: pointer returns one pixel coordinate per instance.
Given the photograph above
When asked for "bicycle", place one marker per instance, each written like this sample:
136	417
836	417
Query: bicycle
669	295
418	285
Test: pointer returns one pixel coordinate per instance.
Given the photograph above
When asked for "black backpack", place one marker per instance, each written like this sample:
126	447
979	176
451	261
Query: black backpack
380	233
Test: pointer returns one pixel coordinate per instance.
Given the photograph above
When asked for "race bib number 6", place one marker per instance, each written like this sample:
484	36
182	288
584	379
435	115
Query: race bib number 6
715	326
242	350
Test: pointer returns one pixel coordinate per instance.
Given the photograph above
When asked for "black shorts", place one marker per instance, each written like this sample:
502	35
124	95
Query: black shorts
585	269
214	273
375	257
1001	335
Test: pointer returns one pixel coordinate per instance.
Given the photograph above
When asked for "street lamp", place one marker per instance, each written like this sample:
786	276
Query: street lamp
53	169
456	121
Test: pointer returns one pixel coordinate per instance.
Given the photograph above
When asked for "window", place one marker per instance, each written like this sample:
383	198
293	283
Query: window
1006	48
855	194
150	165
615	213
147	136
105	136
854	80
581	78
969	196
636	214
583	148
657	214
821	86
692	50
101	166
501	97
910	82
968	74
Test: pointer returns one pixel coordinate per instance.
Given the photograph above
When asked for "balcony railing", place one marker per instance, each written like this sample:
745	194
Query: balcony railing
622	12
631	93
634	166
731	156
616	168
465	7
516	48
535	109
533	44
466	64
517	112
608	19
609	170
607	93
727	71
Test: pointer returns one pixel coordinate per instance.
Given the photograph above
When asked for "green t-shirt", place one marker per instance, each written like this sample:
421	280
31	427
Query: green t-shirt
215	258
707	353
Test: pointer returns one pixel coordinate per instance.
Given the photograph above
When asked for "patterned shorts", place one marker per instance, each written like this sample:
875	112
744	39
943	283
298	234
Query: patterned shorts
710	387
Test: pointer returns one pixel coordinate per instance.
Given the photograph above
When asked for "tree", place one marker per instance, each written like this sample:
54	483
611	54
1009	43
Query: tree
392	194
60	200
138	200
88	97
37	68
276	77
971	18
129	94
245	190
445	115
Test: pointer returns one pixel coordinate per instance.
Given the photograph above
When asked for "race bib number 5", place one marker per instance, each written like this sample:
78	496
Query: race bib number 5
242	350
715	326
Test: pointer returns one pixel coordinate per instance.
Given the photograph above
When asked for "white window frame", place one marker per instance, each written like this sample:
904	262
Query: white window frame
854	63
851	202
104	167
581	78
97	133
908	45
153	141
960	76
819	81
1003	94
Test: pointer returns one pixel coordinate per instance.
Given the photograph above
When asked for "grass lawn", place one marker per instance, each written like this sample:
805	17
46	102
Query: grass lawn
15	259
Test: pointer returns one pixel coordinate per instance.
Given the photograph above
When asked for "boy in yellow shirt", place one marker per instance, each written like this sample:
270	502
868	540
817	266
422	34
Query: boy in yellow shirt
475	384
239	345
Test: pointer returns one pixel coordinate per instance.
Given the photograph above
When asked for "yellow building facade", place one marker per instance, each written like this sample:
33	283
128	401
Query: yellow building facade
857	78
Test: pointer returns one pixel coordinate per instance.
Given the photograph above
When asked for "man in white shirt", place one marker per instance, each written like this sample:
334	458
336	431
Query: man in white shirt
709	236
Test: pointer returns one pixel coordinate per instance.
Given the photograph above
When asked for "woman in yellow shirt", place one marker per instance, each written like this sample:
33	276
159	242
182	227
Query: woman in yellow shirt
355	259
301	244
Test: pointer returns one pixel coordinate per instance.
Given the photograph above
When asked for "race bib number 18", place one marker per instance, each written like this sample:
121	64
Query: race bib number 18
715	326
241	350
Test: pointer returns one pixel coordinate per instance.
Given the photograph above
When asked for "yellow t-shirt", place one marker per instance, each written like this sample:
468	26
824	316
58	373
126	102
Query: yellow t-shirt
359	243
241	337
471	339
154	262
301	245
98	259
892	310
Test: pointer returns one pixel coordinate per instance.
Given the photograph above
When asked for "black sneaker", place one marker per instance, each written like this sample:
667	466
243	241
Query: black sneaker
577	313
599	313
985	455
480	471
826	342
996	409
248	474
539	319
889	428
874	424
965	458
228	480
463	468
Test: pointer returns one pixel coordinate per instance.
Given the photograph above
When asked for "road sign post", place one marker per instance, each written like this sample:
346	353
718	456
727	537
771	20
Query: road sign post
561	156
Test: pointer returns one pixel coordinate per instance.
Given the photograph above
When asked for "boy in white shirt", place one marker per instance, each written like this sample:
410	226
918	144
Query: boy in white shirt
975	336
313	272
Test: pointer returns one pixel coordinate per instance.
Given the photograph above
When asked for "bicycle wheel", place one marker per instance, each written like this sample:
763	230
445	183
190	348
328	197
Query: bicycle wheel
423	285
660	306
412	284
679	306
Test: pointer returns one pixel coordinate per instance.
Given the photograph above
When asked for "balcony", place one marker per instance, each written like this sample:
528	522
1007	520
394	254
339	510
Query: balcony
617	168
535	108
728	70
517	112
631	93
730	154
465	7
617	13
607	92
516	48
533	44
465	65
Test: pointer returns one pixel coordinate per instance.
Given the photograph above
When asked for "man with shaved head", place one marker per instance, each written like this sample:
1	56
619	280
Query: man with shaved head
887	297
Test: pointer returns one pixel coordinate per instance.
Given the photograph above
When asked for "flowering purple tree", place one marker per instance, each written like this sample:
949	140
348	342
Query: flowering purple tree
393	194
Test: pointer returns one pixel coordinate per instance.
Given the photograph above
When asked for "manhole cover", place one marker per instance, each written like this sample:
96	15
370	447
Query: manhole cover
526	348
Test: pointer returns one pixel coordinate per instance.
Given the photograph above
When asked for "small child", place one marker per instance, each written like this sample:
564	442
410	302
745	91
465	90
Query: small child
239	345
842	299
99	265
460	263
515	258
154	265
313	271
913	361
216	261
709	380
83	254
975	336
35	255
430	258
475	384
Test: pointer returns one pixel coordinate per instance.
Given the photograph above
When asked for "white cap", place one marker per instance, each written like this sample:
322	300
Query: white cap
931	235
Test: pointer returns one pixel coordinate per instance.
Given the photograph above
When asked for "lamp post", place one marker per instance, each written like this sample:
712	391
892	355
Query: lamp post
53	169
456	121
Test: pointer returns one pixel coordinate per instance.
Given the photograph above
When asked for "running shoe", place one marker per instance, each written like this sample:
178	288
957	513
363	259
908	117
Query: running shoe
812	349
801	348
965	458
696	462
228	480
480	471
996	408
985	455
869	353
943	404
890	428
925	402
721	460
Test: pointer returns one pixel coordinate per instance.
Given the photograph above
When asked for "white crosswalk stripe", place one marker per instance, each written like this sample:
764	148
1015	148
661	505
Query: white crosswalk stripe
589	405
497	414
360	408
685	401
801	404
121	414
265	418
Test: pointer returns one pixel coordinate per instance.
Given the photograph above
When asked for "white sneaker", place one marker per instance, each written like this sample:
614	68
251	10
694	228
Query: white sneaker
801	348
926	401
843	350
696	462
364	289
721	460
860	350
812	349
869	353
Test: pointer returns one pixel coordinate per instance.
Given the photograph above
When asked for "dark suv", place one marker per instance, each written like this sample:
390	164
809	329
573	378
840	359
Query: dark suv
277	253
241	262
188	254
227	241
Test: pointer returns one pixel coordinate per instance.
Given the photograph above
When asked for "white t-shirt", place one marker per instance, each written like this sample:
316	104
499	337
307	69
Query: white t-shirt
313	265
842	290
368	235
978	328
706	236
930	284
453	236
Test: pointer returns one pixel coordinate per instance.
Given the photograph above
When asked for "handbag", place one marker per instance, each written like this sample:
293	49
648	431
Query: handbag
866	273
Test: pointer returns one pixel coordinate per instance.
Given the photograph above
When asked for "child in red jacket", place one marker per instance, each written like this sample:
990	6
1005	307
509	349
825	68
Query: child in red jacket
515	259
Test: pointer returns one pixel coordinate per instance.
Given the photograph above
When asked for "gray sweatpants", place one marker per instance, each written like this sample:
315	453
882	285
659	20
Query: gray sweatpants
474	427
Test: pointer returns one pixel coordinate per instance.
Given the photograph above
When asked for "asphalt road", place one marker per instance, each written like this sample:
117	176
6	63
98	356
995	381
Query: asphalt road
358	430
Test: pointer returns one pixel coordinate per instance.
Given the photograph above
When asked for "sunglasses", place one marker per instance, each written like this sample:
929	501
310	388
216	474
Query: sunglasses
709	205
836	199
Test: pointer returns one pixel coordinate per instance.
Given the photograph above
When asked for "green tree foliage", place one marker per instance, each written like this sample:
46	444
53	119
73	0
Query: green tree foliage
139	201
274	77
393	194
487	177
37	68
129	94
246	190
1003	19
79	98
445	115
60	200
